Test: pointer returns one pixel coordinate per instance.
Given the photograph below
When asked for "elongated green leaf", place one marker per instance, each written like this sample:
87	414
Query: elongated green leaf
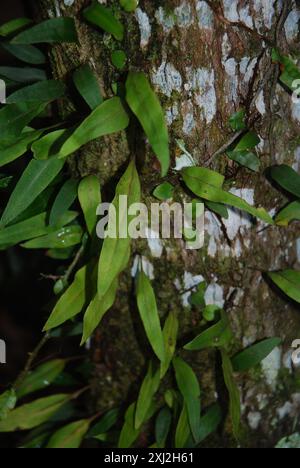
115	251
5	181
129	5
14	25
207	184
23	75
129	433
53	30
8	402
45	91
245	158
87	85
104	18
147	391
33	414
162	426
214	337
290	71
247	142
106	423
183	431
61	239
65	198
210	421
35	179
15	117
149	315
170	332
89	194
253	355
237	121
71	302
109	117
119	59
19	147
288	281
189	388
288	214
70	436
217	208
144	103
50	144
164	191
26	53
97	309
234	394
41	377
287	178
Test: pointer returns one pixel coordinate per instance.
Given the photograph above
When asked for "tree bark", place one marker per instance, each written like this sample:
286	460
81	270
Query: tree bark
206	60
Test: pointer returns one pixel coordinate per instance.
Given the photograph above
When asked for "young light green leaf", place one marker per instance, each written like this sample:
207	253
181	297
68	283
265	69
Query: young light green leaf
105	424
234	394
33	414
129	433
210	421
214	337
162	426
288	214
109	117
61	239
71	302
115	251
89	194
245	158
50	144
64	199
104	18
129	5
87	85
183	433
147	391
14	25
37	176
45	91
8	401
15	117
237	121
287	178
97	309
207	184
252	356
144	103
70	436
189	388
26	53
23	75
288	281
11	152
164	191
170	332
41	377
53	30
149	315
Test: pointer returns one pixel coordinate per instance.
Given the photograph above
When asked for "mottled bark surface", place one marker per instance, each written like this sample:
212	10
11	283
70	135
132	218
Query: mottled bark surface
206	60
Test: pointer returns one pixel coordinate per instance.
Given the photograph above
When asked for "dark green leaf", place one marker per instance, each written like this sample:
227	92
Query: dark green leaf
70	436
33	414
23	75
41	377
105	424
189	387
234	394
26	53
288	214
149	315
5	181
208	184
61	239
50	144
253	355
216	336
247	142
35	179
129	433
289	282
49	31
245	158
89	194
164	191
65	198
217	208
8	402
237	121
210	421
46	91
147	391
183	433
14	25
20	146
145	105
104	18
287	178
290	71
119	59
87	85
15	117
170	332
162	426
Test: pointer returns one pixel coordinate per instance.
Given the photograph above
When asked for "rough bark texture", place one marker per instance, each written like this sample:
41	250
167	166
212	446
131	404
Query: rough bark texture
206	60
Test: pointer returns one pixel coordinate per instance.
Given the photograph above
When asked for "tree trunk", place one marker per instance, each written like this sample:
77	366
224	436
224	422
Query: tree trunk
206	59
